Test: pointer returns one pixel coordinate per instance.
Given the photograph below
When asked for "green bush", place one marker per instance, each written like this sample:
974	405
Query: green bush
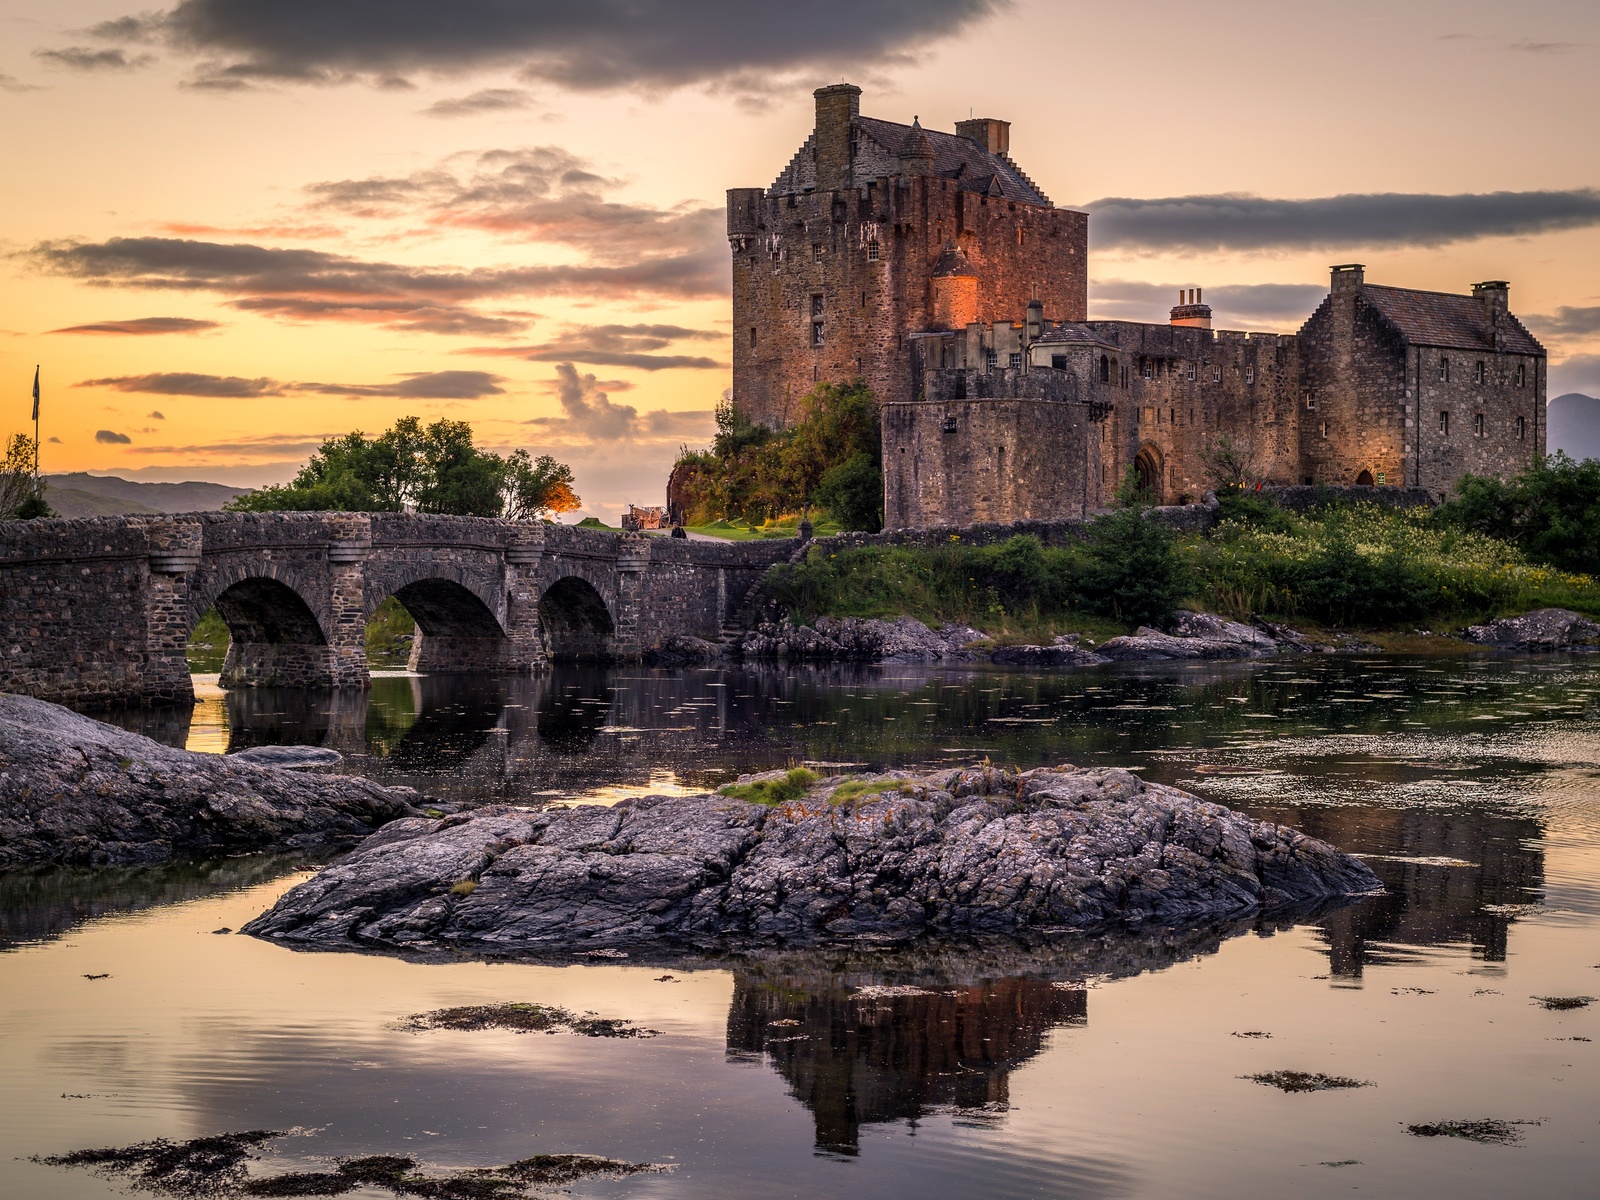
1134	570
1551	512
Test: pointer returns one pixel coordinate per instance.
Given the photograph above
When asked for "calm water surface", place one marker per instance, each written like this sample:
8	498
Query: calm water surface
1103	1067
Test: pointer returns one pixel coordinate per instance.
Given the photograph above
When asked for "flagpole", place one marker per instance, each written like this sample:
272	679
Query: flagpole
36	424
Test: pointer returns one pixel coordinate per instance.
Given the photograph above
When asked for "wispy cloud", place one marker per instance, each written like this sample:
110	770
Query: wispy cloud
421	385
107	437
1130	300
10	83
144	326
485	101
85	58
1566	321
616	346
591	415
1245	222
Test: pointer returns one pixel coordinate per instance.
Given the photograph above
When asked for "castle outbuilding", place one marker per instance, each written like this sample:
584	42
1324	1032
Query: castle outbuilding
905	257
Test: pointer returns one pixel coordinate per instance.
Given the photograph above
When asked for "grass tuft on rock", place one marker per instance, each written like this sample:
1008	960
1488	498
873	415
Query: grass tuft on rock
793	785
463	887
1564	1003
205	1166
1306	1081
1489	1132
855	789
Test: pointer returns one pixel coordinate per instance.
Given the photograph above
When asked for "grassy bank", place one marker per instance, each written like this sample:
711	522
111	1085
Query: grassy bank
1341	568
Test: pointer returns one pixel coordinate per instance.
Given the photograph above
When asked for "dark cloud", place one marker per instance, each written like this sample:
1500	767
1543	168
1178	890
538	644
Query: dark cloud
54	440
418	385
109	438
1528	46
538	194
1128	300
1575	373
1566	322
487	100
269	444
602	44
616	346
591	415
183	383
1242	222
144	326
83	58
303	284
155	414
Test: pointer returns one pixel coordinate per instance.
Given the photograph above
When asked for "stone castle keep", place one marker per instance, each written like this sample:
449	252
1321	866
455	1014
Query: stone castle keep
929	265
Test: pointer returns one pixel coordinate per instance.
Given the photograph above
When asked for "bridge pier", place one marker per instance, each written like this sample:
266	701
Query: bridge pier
174	549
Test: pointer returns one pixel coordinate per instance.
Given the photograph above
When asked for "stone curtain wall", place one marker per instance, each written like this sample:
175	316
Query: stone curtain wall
99	611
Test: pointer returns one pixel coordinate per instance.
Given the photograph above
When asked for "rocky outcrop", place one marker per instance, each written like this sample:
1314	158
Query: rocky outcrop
953	853
1544	630
858	639
1065	651
290	758
77	791
1194	635
683	649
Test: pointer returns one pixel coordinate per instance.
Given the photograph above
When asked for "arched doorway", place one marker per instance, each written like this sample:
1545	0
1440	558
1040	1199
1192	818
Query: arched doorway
1364	479
456	631
1147	463
275	639
577	625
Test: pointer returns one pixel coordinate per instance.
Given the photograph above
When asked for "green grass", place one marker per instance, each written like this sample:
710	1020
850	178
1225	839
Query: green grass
389	635
857	788
792	786
736	530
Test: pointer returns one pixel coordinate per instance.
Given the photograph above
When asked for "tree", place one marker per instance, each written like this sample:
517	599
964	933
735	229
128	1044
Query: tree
1135	572
435	469
1550	512
21	491
1229	462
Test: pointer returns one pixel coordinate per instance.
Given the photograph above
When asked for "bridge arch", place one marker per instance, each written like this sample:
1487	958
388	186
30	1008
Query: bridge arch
276	637
577	622
455	612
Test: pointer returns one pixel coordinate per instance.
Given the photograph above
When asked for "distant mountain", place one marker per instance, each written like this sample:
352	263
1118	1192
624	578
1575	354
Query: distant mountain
1574	425
79	494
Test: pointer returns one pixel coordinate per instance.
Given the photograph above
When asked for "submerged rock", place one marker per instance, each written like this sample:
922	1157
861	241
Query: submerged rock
964	853
682	649
290	758
1063	652
1194	635
80	792
858	639
1544	629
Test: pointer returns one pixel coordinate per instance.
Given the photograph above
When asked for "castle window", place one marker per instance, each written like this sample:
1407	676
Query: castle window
950	424
1311	402
1124	373
1444	422
1478	425
1383	478
816	251
816	320
1019	235
872	250
863	299
1522	374
1105	369
1216	374
1324	429
1444	370
1193	371
1522	428
1149	371
752	336
1172	416
1014	360
1478	372
1058	362
1250	373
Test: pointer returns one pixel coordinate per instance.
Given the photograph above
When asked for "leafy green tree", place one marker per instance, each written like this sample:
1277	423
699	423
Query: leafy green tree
1134	570
21	490
435	469
1551	512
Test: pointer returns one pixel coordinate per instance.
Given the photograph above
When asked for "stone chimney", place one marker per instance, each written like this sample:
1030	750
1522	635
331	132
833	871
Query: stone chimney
838	105
1035	320
1191	310
994	136
1348	277
1495	296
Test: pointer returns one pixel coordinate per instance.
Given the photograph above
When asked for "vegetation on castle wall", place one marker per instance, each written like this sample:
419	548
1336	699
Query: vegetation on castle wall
830	459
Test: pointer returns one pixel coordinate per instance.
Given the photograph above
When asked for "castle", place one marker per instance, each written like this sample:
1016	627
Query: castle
930	266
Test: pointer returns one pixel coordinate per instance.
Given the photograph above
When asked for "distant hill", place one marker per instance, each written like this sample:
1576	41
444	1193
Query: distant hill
79	494
1574	425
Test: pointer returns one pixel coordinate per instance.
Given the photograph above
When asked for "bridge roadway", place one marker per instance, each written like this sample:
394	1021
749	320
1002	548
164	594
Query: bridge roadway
99	610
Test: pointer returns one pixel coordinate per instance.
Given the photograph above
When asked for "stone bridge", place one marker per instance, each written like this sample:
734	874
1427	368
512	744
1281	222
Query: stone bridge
99	611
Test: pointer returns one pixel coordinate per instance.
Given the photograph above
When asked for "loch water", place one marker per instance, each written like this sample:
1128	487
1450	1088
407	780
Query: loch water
1111	1065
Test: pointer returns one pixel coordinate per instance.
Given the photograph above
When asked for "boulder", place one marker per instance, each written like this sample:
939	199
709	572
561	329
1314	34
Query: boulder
78	791
858	639
682	649
290	758
1194	635
1544	630
895	857
1064	651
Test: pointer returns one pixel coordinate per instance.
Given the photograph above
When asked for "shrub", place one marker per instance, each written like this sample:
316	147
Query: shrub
1134	570
1551	511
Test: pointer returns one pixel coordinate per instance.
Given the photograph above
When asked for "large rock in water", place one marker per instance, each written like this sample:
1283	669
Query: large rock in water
1544	629
968	852
78	791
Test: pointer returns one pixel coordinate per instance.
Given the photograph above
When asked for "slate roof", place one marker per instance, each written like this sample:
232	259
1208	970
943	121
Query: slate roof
1072	333
1446	319
959	158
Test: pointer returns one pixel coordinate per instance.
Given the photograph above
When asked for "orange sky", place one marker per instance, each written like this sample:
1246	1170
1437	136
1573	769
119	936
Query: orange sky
434	221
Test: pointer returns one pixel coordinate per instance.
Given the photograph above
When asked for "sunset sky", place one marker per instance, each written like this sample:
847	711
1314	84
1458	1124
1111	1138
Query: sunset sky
230	228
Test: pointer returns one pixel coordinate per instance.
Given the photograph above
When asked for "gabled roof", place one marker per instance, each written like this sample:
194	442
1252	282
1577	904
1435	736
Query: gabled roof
1074	333
1448	320
959	158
